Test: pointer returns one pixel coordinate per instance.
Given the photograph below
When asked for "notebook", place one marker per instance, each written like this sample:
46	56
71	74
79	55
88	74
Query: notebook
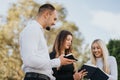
70	56
94	73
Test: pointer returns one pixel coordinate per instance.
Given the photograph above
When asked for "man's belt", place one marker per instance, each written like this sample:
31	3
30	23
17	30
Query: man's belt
37	75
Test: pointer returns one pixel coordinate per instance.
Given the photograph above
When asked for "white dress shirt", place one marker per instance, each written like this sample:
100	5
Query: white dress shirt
112	64
34	50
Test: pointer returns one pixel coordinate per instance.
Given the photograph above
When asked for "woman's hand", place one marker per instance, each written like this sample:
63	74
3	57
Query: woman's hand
83	73
80	75
76	76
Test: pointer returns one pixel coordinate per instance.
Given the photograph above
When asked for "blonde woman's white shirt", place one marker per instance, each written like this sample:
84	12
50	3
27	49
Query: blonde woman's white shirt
34	50
112	64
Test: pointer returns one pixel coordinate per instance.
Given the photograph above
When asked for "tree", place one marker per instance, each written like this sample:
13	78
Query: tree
18	16
114	49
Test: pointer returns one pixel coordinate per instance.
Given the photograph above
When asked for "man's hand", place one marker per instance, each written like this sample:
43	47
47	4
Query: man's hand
65	61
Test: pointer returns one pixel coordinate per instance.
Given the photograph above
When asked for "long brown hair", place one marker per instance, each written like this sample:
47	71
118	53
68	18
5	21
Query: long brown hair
59	41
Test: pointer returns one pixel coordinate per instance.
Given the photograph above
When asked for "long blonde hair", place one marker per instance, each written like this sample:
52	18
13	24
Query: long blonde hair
105	55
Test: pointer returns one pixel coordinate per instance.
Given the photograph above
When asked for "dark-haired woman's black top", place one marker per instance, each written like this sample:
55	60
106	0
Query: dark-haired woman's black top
64	72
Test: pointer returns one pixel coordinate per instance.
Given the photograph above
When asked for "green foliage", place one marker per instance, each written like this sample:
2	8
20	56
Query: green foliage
114	49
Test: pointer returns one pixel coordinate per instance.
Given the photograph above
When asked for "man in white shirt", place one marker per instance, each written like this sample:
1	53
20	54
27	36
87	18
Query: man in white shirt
33	47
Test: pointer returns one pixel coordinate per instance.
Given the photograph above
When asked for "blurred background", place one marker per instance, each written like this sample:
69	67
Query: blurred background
87	20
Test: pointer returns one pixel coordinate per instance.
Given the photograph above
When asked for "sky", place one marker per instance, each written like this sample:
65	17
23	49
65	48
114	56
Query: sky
96	19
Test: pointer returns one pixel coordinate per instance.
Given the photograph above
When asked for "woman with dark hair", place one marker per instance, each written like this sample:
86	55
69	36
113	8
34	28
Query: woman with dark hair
63	46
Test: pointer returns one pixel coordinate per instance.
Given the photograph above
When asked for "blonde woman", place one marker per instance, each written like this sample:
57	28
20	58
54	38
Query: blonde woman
100	58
